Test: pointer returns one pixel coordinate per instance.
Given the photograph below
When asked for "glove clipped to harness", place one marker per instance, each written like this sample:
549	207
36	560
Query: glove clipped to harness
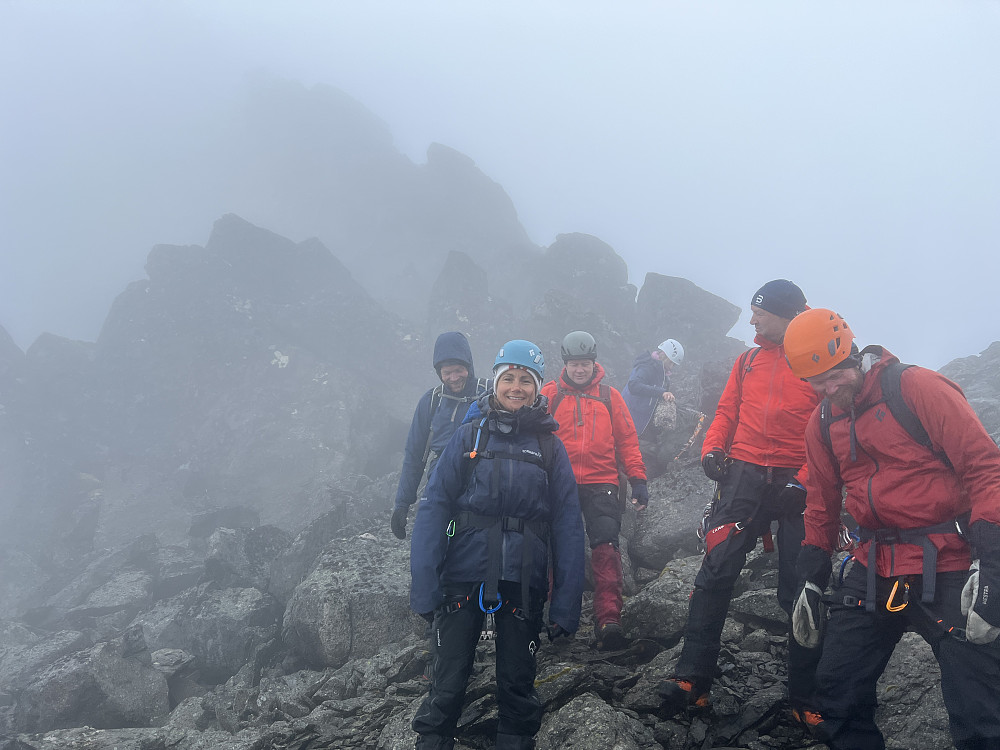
714	464
981	595
640	493
808	611
398	521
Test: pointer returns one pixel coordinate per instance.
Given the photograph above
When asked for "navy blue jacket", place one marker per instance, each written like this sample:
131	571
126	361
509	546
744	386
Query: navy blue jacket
449	411
647	383
525	491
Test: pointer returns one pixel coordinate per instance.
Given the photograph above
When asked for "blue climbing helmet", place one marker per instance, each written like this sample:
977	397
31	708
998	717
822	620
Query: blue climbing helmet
521	353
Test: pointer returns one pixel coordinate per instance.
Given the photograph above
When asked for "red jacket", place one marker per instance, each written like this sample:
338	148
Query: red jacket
762	415
595	442
895	482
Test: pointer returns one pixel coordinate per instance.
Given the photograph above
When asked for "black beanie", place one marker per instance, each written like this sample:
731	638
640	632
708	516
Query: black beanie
780	297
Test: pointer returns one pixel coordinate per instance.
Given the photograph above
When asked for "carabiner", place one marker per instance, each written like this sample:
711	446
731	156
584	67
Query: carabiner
892	595
450	528
483	606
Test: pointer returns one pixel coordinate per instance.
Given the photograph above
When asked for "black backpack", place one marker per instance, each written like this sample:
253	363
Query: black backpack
892	396
482	384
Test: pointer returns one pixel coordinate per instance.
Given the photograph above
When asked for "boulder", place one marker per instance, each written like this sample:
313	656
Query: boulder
588	723
222	628
243	557
668	528
110	685
355	598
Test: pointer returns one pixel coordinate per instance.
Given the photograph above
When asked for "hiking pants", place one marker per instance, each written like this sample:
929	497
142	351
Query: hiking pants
602	514
455	637
748	496
857	646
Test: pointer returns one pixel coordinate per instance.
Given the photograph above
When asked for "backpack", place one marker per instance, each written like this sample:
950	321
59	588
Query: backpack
892	396
436	395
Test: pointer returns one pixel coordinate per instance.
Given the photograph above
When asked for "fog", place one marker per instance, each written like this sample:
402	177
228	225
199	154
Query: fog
850	147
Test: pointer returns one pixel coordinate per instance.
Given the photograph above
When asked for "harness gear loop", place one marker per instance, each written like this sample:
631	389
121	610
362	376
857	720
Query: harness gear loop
483	607
905	596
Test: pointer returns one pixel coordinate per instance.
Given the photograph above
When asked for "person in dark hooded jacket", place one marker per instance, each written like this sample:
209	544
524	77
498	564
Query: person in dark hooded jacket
649	382
438	414
502	497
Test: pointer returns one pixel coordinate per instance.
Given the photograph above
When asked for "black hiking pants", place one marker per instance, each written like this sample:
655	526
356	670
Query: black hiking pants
748	496
455	636
856	649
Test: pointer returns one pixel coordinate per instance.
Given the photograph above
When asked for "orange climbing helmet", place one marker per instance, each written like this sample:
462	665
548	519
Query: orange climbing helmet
817	340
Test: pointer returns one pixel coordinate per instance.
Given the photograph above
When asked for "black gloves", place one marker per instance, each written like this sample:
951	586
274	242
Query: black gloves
640	494
555	630
714	464
398	521
792	497
982	609
808	611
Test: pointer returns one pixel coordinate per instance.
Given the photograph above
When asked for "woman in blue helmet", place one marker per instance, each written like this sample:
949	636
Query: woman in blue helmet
502	496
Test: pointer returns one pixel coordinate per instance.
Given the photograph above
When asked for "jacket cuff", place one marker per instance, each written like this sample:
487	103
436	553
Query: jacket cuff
984	539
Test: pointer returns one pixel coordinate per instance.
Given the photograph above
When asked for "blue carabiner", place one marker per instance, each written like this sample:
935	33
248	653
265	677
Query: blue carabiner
482	606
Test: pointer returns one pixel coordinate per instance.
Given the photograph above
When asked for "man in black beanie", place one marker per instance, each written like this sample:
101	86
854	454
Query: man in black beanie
754	449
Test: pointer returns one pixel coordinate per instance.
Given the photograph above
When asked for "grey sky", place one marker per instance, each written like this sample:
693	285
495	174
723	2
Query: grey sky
850	147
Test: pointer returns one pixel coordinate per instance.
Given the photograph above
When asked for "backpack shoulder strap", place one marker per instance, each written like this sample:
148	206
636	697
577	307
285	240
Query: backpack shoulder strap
604	393
892	392
435	400
746	361
560	395
547	447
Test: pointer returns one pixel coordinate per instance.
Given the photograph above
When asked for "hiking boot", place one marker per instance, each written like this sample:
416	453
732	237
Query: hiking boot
611	637
809	719
679	695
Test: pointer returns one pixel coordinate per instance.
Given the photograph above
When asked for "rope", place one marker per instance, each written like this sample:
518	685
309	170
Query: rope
694	435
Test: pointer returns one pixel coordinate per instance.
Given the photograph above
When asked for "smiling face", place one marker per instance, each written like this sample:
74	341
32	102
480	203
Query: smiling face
454	377
770	326
580	371
514	389
840	385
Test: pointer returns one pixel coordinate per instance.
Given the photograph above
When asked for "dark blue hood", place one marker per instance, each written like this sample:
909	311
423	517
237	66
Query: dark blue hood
452	345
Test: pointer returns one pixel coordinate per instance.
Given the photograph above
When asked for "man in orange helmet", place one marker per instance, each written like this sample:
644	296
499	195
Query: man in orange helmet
922	480
755	450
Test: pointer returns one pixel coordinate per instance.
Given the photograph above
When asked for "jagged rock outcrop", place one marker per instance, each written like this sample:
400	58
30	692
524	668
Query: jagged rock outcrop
979	377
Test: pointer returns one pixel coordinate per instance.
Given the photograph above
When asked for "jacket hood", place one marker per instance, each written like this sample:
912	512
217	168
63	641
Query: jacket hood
453	345
874	359
642	357
594	381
